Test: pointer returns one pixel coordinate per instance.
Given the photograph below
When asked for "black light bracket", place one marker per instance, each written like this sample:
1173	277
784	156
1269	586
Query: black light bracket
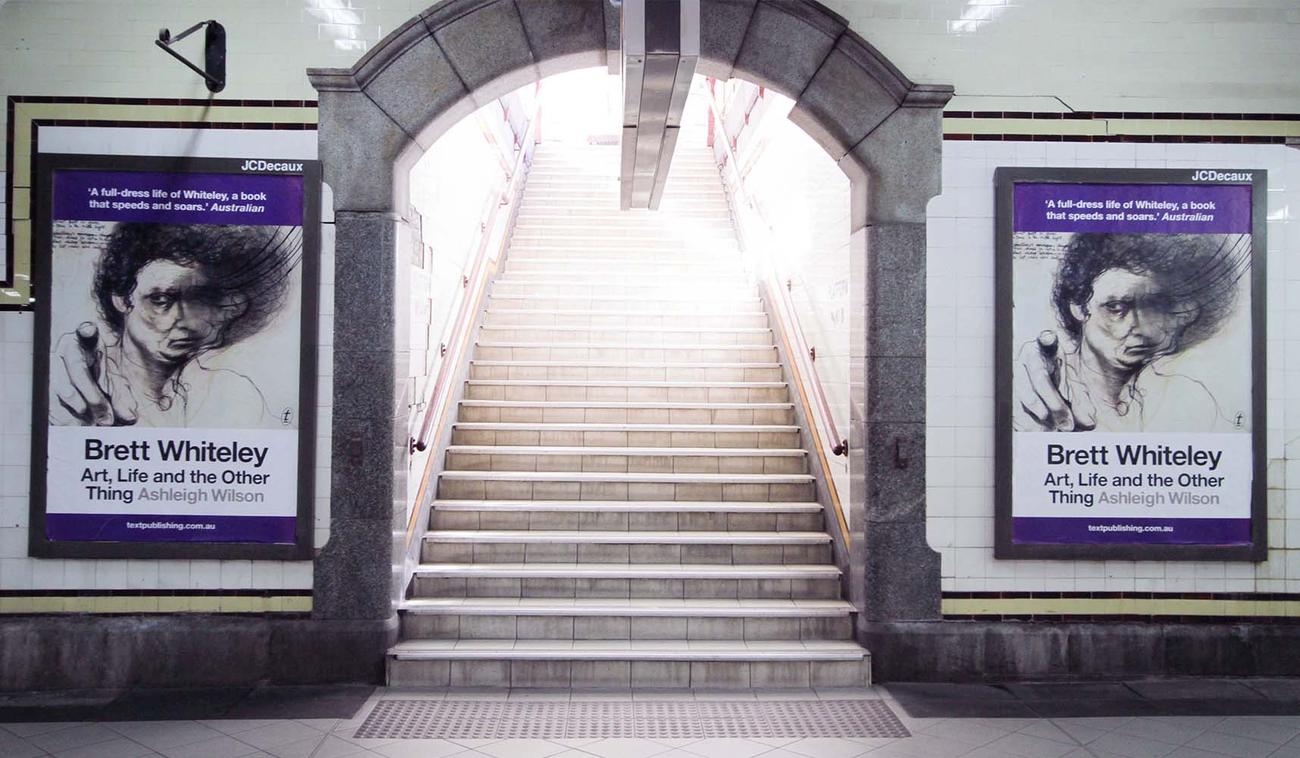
214	52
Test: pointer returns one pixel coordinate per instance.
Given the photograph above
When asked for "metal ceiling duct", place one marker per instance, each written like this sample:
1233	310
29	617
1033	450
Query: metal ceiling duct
661	45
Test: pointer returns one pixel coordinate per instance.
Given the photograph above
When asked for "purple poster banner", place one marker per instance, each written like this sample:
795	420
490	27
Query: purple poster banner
178	198
1133	208
99	527
1146	531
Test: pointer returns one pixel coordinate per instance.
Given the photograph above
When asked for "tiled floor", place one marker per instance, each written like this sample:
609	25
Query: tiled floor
1275	736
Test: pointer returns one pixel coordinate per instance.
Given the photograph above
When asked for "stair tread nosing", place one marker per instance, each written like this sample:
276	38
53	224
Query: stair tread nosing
622	452
622	650
631	570
611	537
619	346
620	476
640	607
687	384
594	427
636	404
624	364
628	506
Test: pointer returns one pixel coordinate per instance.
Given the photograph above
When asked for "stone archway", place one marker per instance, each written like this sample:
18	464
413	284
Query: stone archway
377	117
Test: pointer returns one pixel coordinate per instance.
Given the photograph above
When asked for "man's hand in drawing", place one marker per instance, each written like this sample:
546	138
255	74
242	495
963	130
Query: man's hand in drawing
1038	401
77	390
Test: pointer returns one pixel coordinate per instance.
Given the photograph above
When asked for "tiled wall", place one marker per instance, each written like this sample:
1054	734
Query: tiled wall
1107	55
960	381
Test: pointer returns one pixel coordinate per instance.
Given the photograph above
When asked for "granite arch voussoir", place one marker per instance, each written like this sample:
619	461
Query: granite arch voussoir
565	34
486	45
786	43
723	26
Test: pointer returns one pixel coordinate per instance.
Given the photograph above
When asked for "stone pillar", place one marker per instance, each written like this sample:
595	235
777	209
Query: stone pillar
353	571
901	159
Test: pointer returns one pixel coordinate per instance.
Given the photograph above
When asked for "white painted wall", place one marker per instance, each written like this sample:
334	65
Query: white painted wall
451	186
1100	55
960	329
803	199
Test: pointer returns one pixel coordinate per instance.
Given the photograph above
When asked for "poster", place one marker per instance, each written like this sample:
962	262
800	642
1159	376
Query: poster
1130	364
175	357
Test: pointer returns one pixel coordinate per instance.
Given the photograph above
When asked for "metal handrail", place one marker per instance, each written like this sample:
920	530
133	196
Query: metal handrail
475	286
481	260
840	444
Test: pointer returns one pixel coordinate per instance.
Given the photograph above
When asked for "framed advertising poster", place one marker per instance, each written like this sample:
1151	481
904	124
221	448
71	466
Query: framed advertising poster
175	348
1130	364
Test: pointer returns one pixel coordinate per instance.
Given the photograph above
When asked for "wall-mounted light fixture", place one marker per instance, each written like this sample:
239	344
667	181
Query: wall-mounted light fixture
214	52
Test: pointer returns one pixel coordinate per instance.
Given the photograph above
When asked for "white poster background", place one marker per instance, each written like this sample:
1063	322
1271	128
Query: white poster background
1033	497
68	492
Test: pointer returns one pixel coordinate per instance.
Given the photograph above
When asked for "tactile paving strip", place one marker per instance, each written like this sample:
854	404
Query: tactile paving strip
669	719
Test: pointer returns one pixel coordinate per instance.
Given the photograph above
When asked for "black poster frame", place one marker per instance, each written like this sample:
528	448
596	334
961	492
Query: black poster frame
39	545
1005	181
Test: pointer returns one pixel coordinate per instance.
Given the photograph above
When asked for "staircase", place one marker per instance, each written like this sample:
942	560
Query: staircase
625	501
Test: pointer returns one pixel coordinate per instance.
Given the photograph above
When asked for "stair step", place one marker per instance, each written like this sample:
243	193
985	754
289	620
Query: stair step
628	571
615	477
629	364
661	275
668	253
620	390
609	412
602	514
627	506
665	251
684	428
648	335
600	268
505	318
652	291
634	346
669	304
614	313
625	371
621	665
653	460
641	608
655	404
639	619
625	383
605	351
658	650
706	290
489	536
619	452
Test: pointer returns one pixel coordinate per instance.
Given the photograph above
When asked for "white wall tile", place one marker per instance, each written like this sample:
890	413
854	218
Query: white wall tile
960	414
